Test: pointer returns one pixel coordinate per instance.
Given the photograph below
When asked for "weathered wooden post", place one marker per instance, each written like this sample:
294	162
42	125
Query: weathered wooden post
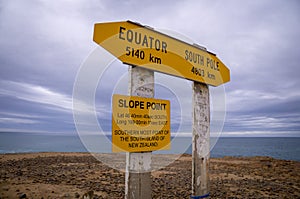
138	165
200	144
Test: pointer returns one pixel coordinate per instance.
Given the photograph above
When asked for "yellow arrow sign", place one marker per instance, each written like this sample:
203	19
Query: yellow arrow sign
142	46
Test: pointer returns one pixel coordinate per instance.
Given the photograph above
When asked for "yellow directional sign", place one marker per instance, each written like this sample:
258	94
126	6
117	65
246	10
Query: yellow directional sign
142	46
140	124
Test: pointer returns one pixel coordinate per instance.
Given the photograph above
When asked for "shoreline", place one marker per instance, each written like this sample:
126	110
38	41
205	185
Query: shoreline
162	154
71	174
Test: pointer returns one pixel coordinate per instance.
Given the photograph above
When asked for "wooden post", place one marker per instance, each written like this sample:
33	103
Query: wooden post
200	144
138	165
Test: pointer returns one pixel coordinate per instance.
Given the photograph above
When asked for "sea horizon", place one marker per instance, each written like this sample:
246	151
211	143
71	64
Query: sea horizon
286	148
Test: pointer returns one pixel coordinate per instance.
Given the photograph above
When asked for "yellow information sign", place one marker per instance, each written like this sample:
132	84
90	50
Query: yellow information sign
142	46
140	124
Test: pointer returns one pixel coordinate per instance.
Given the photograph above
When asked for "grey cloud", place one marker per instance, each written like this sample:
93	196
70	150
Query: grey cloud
43	43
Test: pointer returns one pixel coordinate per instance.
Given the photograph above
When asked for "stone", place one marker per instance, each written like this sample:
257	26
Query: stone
22	195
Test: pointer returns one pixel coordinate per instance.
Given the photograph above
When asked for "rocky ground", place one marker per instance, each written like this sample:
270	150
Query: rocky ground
71	175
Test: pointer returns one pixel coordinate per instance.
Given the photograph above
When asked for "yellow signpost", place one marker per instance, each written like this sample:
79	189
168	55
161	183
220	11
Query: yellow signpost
142	46
140	124
143	124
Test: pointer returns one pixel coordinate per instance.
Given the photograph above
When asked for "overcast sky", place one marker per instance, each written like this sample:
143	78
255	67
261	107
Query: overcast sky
44	43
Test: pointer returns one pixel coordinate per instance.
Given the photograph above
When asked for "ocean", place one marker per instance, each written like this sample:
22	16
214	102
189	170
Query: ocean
286	148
